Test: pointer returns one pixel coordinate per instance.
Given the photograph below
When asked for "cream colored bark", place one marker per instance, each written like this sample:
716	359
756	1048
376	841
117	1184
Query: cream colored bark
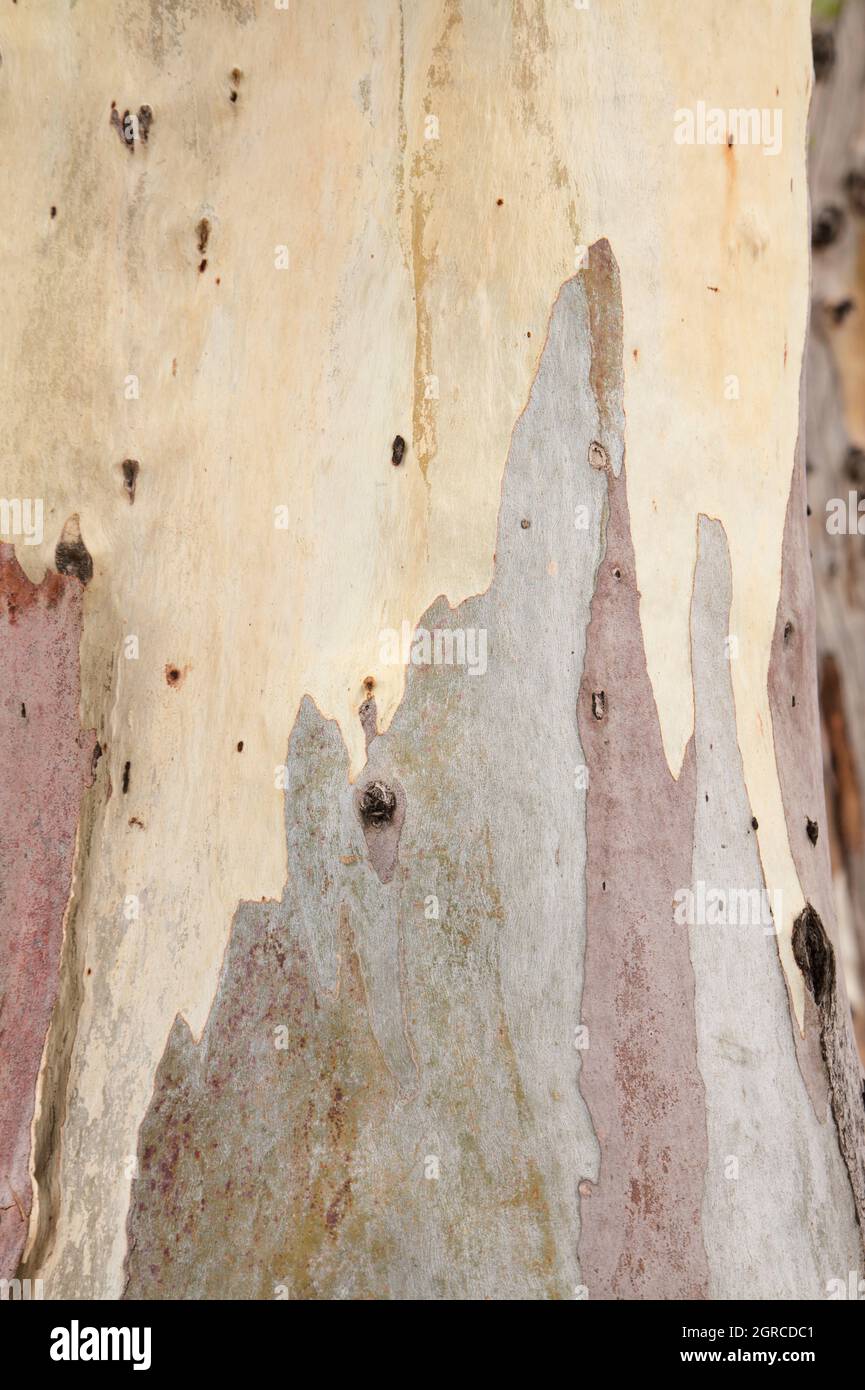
393	201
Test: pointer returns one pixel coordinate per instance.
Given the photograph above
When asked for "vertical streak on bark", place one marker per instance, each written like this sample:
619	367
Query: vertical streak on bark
641	1226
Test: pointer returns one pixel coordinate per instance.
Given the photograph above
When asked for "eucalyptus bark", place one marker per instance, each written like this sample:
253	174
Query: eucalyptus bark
418	832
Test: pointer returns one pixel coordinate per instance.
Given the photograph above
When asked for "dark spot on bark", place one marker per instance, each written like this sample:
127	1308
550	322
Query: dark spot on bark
130	469
397	452
788	632
617	573
240	746
202	231
807	510
24	713
73	557
525	523
598	456
124	786
377	804
794	702
232	96
754	823
499	202
94	759
814	954
826	227
134	820
812	830
202	266
129	127
53	210
173	675
117	123
599	704
823	49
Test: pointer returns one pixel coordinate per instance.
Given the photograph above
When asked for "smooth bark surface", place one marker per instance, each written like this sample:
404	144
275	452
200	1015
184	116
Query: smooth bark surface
374	981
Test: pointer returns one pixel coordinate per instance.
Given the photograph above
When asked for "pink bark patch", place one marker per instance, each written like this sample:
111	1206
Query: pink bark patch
641	1233
45	764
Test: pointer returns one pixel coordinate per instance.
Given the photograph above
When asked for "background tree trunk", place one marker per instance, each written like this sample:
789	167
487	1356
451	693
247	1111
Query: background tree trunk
836	452
406	1011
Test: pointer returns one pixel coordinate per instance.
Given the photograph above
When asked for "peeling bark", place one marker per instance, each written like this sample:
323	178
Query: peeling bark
373	982
46	759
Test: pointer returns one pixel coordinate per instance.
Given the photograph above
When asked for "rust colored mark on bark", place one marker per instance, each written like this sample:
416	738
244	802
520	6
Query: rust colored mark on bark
641	1234
175	675
46	762
17	594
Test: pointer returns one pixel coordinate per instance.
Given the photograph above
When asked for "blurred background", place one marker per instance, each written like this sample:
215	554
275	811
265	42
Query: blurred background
835	452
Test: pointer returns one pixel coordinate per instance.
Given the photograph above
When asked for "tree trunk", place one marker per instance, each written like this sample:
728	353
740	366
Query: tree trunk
404	394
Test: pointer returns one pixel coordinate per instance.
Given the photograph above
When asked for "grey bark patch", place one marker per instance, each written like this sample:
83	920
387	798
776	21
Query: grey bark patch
777	1217
422	1134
